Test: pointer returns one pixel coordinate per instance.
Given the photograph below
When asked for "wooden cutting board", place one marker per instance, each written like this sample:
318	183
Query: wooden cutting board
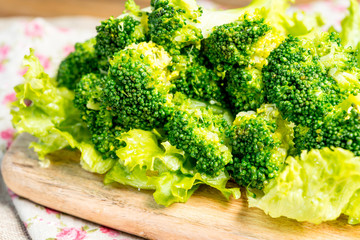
64	186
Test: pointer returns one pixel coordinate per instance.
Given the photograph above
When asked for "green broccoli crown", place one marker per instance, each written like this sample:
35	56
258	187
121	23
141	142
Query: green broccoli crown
338	129
341	63
298	83
114	34
88	92
138	85
101	123
245	89
196	78
200	133
259	144
78	63
172	24
232	43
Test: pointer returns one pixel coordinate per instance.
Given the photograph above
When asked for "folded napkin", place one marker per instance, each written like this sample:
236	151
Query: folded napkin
52	42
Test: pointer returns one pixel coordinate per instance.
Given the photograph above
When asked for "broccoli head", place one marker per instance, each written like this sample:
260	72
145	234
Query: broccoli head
102	124
260	142
232	43
338	129
172	24
78	63
245	89
114	34
240	50
138	86
307	77
198	129
196	78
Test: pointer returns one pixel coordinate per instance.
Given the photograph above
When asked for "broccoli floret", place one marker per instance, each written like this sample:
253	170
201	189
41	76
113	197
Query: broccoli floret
172	24
199	131
138	85
339	129
78	63
196	78
260	142
114	34
240	50
232	43
102	124
307	77
245	88
341	63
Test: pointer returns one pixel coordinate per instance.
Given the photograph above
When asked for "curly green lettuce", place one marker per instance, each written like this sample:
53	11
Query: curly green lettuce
47	112
145	164
315	187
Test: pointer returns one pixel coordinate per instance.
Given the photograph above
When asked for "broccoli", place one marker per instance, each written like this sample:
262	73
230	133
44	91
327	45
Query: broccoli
196	78
138	85
237	48
78	63
199	130
231	43
102	124
260	143
306	77
221	40
338	129
245	89
172	24
134	94
114	34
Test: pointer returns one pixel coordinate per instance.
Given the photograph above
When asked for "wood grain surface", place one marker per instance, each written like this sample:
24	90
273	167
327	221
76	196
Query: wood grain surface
64	186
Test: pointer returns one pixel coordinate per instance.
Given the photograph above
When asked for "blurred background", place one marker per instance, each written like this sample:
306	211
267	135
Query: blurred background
97	8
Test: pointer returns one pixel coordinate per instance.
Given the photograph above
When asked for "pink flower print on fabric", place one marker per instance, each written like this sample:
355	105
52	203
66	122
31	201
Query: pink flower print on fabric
34	29
4	51
63	29
8	135
51	211
68	49
304	7
109	232
9	98
44	61
22	71
12	194
71	234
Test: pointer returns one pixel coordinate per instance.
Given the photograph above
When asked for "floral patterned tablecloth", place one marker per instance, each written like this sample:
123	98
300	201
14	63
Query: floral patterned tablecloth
53	40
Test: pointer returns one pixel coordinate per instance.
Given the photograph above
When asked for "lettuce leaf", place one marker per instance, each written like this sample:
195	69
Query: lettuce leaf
47	112
146	164
296	24
353	209
350	33
315	187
